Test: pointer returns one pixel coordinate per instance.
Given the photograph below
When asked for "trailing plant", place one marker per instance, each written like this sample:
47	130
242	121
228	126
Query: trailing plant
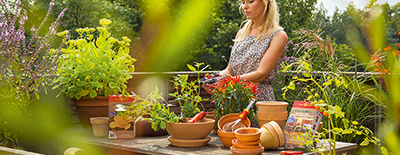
27	64
187	93
232	95
92	66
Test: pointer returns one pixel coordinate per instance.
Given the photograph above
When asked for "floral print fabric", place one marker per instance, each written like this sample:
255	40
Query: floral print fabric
246	56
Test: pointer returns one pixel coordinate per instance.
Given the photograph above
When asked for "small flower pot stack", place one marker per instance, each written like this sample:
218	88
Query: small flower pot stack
272	136
272	111
247	141
226	135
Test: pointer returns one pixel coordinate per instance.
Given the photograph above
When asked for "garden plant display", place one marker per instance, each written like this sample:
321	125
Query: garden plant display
326	84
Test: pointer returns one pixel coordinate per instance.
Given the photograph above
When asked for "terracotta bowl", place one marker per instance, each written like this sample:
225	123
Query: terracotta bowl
248	134
244	146
257	151
190	131
226	137
271	106
230	118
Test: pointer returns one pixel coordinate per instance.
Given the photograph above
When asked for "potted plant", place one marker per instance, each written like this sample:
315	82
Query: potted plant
232	95
94	68
181	130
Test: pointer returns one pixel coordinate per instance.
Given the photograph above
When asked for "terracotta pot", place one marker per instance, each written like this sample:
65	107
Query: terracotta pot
99	126
269	138
87	107
190	131
237	151
272	115
226	137
248	134
230	118
143	129
281	123
279	132
272	111
271	106
250	143
244	146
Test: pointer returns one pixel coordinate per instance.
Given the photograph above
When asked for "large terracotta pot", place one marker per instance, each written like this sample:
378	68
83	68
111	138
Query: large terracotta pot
191	131
143	129
87	107
272	111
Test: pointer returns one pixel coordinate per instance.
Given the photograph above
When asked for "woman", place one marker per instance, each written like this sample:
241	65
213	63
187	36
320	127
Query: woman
259	46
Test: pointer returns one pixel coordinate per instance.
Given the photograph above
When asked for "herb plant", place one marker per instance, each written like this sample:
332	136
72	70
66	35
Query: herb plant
187	93
92	66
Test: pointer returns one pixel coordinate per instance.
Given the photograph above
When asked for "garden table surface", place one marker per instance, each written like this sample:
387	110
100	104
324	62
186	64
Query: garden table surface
161	145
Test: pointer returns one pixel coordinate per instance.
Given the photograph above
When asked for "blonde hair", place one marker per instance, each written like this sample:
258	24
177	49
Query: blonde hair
270	25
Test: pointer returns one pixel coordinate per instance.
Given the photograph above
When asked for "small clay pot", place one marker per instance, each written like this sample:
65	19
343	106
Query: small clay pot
257	151
249	143
244	146
229	118
248	134
226	137
271	106
191	131
99	126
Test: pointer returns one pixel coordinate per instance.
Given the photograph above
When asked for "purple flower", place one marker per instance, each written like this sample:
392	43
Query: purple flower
294	48
296	45
230	46
223	57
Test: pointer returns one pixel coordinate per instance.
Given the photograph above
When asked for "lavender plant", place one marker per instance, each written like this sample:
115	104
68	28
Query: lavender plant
26	65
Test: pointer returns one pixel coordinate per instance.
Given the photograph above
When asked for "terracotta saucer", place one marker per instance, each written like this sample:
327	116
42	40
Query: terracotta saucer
235	150
189	143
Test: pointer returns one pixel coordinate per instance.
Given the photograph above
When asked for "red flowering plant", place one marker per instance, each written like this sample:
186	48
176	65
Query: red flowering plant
232	95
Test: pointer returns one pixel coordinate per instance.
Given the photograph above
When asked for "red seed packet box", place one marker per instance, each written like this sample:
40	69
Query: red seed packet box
121	125
302	118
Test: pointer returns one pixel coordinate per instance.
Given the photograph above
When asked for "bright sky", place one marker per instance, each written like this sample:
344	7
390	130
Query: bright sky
342	4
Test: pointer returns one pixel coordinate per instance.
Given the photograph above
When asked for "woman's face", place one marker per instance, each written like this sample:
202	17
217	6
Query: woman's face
254	9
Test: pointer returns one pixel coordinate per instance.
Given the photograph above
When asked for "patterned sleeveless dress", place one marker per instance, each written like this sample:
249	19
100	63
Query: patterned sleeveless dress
246	56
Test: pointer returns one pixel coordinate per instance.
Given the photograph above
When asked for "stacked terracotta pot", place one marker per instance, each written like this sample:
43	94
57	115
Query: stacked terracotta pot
226	135
272	111
247	141
272	136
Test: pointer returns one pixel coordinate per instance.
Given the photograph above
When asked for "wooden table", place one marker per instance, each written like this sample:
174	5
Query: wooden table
160	145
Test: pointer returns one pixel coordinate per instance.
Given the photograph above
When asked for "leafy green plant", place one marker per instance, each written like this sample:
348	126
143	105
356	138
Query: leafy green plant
187	93
94	66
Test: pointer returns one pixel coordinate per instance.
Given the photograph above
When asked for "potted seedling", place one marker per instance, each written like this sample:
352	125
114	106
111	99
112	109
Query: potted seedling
190	128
